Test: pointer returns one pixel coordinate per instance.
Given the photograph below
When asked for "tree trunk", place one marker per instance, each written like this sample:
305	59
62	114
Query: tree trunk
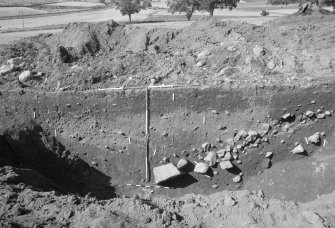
211	12
317	3
129	15
190	13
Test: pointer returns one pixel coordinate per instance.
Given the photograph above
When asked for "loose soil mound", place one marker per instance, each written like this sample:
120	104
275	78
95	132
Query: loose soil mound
90	55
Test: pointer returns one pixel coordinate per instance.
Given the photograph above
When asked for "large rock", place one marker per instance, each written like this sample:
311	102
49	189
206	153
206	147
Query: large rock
182	163
201	167
314	138
15	61
298	149
6	69
206	146
165	172
309	113
211	158
271	65
25	76
227	157
258	51
252	136
313	218
287	116
243	134
203	54
226	165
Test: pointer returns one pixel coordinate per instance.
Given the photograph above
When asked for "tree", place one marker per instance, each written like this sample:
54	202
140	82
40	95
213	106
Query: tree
129	7
187	6
211	5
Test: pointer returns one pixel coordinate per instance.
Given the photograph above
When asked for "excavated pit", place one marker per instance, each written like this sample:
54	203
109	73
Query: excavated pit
94	141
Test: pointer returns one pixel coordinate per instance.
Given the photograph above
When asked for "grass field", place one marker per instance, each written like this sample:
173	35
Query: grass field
18	11
26	2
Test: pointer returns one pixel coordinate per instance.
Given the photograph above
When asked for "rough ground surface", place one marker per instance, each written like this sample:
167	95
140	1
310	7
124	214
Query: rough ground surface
24	206
66	157
106	54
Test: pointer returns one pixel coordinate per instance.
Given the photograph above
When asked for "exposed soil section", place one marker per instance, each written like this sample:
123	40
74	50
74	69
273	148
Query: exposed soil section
106	131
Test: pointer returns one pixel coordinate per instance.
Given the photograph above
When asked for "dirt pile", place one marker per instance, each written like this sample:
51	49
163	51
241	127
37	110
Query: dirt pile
209	52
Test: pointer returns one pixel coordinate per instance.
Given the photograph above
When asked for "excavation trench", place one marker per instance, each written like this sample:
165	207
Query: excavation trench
94	142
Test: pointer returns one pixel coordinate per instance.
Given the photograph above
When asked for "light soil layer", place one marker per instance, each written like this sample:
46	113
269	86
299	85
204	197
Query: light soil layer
106	130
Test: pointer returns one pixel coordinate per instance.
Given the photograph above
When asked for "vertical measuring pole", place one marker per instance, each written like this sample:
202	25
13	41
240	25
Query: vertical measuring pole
22	18
147	133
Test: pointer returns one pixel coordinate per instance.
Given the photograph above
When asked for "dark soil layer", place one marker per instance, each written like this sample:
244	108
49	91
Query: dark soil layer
87	141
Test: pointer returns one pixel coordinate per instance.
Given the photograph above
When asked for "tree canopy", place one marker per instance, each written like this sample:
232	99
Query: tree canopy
211	5
129	7
189	6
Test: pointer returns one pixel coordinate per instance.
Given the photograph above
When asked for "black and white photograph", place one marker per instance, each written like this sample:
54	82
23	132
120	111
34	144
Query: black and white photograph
167	113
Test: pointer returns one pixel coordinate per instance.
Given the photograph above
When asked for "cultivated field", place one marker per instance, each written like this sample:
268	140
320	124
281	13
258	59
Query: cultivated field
249	12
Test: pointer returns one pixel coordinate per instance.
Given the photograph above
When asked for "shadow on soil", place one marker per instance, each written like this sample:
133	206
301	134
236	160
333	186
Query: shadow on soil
33	150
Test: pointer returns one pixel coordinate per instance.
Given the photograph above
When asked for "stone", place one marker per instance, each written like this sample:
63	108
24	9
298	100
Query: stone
287	116
268	154
321	116
271	65
165	172
215	112
237	179
227	157
252	136
229	201
15	61
266	163
315	138
286	127
221	153
211	158
313	218
248	60
226	165
309	113
201	167
203	54
25	76
266	127
6	69
327	113
215	186
206	146
220	127
243	134
298	149
258	51
260	193
231	49
182	163
153	81
201	63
